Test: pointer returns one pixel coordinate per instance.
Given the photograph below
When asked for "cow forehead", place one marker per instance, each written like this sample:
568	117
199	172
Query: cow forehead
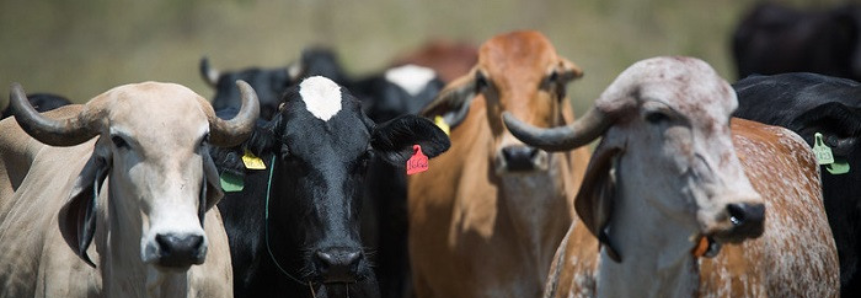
517	54
687	85
157	113
322	97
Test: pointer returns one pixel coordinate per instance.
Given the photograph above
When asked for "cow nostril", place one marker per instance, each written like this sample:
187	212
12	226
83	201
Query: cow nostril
171	244
338	265
741	214
520	158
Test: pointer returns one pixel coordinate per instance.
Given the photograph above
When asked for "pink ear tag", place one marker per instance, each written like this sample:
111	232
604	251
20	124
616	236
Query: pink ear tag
418	162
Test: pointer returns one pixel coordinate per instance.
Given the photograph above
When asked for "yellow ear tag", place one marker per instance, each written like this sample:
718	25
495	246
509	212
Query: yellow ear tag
252	162
440	122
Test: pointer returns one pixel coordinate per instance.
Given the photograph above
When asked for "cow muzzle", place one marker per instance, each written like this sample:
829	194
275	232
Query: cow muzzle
176	251
521	159
338	264
738	222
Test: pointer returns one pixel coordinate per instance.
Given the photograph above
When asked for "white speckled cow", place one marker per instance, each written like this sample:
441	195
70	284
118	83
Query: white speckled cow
129	172
666	187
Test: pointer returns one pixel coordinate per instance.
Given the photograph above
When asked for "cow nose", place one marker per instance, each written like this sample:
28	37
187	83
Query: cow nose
338	265
747	219
520	158
180	250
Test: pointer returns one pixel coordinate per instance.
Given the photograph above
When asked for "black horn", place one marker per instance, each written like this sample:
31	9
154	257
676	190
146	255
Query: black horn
209	74
55	132
576	134
229	133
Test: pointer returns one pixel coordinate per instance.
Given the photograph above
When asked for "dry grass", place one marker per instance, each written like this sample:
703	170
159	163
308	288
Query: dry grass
82	48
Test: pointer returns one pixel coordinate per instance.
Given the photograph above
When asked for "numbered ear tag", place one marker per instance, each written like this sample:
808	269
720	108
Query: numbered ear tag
840	166
822	151
231	182
418	162
440	122
252	162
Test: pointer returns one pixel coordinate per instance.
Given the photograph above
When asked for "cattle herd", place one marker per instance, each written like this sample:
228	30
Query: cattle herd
293	181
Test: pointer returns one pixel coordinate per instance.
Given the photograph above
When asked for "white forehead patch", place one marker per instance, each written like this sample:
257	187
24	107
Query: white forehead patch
412	78
322	97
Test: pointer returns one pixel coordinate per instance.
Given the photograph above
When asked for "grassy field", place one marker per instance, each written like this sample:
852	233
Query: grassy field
82	48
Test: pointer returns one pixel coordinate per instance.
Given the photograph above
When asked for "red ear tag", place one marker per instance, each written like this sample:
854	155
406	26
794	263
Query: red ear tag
418	162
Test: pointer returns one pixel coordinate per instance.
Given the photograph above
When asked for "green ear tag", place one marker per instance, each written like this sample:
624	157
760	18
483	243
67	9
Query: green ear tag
232	182
822	151
840	166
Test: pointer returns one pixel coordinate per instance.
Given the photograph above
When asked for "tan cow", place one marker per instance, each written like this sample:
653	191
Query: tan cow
666	190
130	172
487	217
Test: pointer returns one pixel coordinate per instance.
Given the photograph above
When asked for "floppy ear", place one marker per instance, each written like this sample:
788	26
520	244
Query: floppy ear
452	103
594	201
393	141
838	123
211	190
77	218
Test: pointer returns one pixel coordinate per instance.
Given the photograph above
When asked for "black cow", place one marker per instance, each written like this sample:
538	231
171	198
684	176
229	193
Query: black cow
397	91
808	103
776	39
42	102
306	241
270	83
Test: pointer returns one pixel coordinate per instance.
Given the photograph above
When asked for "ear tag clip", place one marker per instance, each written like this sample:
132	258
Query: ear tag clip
840	166
418	162
252	162
440	122
822	151
231	182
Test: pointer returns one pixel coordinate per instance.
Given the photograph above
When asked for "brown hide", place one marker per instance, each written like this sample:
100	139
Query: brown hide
468	233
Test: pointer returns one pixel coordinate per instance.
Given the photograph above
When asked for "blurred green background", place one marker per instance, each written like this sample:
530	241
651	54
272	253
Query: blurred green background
82	48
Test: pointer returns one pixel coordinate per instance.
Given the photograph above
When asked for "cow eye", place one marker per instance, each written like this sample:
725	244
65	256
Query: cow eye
656	117
119	142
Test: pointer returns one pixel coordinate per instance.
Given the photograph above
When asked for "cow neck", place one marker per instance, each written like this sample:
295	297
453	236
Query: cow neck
656	250
539	218
266	233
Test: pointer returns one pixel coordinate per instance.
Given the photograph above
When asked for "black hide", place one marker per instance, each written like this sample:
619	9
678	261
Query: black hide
315	204
808	103
774	39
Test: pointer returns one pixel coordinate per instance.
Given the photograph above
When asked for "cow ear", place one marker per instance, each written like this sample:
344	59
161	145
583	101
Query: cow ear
594	201
77	217
838	123
452	103
568	70
212	192
393	140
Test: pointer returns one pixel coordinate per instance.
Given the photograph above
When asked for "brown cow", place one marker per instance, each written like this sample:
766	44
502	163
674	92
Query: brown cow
488	215
667	187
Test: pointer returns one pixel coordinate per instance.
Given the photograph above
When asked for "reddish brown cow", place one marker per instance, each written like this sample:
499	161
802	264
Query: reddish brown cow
488	215
449	59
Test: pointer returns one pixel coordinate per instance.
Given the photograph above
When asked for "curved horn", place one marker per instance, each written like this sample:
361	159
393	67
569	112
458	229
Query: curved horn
54	132
209	74
579	133
229	133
